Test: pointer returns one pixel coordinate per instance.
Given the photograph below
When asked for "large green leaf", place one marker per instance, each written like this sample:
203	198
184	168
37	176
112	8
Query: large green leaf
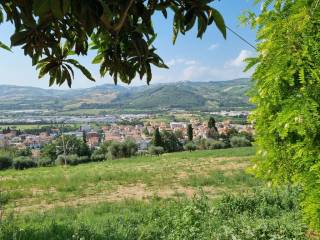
19	38
41	7
81	68
2	45
219	21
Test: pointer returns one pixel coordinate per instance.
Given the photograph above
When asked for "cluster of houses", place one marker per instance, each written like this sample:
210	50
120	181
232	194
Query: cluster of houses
141	134
21	141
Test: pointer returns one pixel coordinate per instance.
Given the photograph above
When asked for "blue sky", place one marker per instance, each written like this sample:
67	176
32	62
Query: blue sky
190	59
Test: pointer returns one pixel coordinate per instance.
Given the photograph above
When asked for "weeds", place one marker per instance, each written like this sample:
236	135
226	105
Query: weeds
263	215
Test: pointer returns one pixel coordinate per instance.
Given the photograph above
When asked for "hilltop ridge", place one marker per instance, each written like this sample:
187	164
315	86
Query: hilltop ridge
182	95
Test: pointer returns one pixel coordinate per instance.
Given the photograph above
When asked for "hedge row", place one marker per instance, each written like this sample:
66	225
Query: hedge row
21	163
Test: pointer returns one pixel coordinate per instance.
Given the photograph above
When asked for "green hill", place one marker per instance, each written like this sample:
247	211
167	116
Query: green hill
207	96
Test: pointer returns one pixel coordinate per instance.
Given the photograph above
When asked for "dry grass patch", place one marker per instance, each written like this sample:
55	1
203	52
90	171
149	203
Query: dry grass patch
139	178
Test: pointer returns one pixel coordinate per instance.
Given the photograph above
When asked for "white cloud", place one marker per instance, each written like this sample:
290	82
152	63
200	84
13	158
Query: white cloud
180	61
192	70
213	47
239	61
230	70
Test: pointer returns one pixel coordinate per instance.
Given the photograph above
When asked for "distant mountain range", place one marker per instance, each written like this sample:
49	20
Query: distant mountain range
206	96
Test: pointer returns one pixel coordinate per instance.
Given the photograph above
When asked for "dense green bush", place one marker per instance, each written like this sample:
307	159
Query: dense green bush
84	159
71	159
72	146
96	157
130	148
49	151
154	150
263	203
122	150
4	198
170	142
115	150
5	162
103	148
190	146
24	152
21	163
45	162
237	141
210	144
202	144
215	144
61	160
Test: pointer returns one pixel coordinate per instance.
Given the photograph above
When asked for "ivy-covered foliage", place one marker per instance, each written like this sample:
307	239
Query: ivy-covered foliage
286	92
119	31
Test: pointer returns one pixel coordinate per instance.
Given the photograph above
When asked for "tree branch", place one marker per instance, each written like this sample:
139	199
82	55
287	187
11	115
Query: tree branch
105	23
117	27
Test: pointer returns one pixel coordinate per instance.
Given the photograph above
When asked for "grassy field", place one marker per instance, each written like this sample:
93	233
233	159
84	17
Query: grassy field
198	195
24	126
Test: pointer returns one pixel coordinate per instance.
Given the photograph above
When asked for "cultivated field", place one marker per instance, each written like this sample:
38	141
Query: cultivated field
204	193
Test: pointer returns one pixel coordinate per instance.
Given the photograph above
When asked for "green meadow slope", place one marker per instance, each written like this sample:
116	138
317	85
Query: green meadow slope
198	195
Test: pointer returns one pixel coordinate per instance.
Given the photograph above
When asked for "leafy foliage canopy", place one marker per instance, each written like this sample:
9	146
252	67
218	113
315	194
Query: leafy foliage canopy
287	95
119	31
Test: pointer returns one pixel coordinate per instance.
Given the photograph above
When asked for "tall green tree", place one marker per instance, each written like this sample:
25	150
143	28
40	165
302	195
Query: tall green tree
212	129
50	150
190	132
157	139
212	124
84	136
121	33
170	142
66	145
286	91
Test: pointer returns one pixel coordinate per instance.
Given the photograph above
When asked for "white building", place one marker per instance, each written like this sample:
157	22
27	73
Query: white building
174	125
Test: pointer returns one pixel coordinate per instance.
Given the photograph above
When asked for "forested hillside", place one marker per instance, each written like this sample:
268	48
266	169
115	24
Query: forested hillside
184	95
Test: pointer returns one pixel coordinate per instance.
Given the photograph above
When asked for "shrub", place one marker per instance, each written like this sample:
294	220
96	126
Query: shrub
115	150
4	199
202	144
60	160
103	148
190	146
153	150
5	162
239	142
21	163
70	159
24	153
97	157
45	162
84	159
130	148
49	151
214	144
